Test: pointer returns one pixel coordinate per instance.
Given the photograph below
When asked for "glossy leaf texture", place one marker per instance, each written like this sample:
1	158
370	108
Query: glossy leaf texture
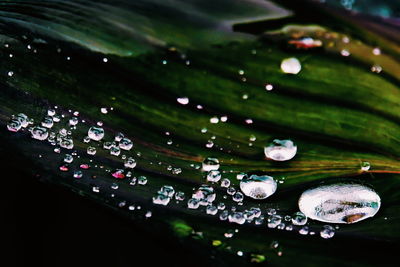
135	59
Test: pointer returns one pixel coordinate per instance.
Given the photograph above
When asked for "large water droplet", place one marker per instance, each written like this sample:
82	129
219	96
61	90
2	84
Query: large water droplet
96	133
258	187
280	150
340	203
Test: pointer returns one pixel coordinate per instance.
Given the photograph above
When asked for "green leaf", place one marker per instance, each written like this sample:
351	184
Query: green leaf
135	58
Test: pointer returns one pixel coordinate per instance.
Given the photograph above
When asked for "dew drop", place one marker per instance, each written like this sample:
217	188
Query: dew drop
161	199
291	65
125	144
214	176
237	217
96	133
258	187
39	133
280	150
210	164
130	163
299	218
340	203
327	232
183	100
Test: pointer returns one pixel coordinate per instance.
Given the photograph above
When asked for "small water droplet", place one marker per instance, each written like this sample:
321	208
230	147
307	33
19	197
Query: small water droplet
125	144
39	133
214	176
291	65
304	230
193	203
142	180
91	150
183	100
237	217
161	199
96	133
210	164
274	220
365	166
327	232
130	163
299	218
78	174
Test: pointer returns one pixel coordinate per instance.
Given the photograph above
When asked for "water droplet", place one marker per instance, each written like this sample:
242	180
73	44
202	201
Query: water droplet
39	133
304	230
299	218
96	133
214	176
237	217
223	216
78	174
340	203
280	150
214	120
238	197
114	186
274	220
210	164
180	196
269	87
73	121
365	166
51	112
211	209
115	151
119	174
291	65
67	143
193	203
258	187
47	122
64	167
91	150
161	199
68	158
104	110
183	100
125	144
14	125
327	232
142	180
376	51
205	192
376	68
345	53
225	182
130	163
167	190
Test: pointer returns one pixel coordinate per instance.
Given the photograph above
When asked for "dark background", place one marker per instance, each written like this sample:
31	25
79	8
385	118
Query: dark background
48	225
